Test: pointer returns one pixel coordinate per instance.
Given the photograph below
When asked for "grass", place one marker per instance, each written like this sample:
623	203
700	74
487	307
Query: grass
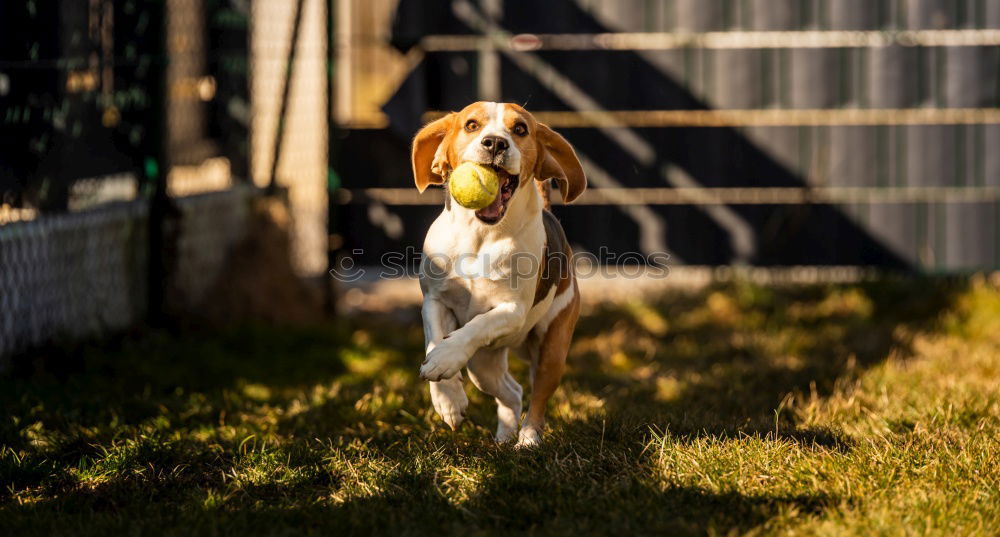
868	409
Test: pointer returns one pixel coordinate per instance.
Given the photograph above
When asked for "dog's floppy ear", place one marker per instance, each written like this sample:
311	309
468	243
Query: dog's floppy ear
430	152
557	160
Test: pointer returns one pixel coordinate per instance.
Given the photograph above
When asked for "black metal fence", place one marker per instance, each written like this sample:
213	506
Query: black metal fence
124	158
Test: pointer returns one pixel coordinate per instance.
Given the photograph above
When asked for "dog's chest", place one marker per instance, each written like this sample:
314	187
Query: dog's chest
479	281
472	275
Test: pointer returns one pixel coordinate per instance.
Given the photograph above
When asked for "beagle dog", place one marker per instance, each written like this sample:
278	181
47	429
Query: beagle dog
499	278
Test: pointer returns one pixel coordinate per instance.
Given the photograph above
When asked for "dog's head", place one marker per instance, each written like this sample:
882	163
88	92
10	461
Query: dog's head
501	135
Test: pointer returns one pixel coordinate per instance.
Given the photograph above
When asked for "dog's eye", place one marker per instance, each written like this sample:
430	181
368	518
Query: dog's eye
521	129
471	125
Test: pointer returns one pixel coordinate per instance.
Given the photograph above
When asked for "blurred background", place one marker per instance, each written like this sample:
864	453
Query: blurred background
166	159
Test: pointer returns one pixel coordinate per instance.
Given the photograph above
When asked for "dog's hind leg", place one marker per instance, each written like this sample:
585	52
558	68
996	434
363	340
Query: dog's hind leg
488	371
552	353
528	351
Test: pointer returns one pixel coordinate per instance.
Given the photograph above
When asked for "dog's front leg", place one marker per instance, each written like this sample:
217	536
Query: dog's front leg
448	396
453	353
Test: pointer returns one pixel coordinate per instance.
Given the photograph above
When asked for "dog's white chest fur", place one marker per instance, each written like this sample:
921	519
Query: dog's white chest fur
477	270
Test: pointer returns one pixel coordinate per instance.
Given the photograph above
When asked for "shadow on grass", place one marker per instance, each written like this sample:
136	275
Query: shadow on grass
522	499
717	362
724	361
521	495
67	403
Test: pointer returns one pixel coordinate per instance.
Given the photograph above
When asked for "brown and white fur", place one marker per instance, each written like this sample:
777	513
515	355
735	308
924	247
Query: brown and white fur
498	278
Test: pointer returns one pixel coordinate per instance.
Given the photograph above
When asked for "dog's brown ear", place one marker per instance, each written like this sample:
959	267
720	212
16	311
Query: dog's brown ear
430	152
557	160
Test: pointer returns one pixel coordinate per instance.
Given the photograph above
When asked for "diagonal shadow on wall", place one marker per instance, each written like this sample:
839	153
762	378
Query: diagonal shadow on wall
626	80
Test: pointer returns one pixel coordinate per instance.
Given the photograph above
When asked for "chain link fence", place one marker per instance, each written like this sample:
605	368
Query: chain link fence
72	275
126	178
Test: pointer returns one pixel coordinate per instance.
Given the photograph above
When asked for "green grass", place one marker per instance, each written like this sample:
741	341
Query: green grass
870	409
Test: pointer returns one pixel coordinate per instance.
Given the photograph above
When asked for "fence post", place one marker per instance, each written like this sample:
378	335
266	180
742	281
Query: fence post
293	44
162	212
332	154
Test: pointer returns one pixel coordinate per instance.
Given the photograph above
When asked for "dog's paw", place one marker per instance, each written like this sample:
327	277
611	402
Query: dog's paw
529	438
450	401
506	433
443	362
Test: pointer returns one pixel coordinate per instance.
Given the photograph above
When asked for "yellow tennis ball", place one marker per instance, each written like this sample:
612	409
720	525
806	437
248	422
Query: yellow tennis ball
474	186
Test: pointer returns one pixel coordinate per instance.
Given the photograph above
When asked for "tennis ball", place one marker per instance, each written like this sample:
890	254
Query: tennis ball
474	186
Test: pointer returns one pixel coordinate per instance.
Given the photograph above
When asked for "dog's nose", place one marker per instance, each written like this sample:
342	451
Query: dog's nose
495	144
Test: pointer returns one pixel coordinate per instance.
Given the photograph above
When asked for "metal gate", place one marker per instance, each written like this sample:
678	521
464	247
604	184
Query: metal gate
762	132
